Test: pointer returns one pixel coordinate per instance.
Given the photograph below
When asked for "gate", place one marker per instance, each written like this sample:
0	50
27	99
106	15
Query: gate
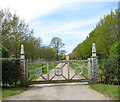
60	73
65	71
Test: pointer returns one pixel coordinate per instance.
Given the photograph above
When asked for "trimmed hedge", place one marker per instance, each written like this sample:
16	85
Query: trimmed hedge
11	72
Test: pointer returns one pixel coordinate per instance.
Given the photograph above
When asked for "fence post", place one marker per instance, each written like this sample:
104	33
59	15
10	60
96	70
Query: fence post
22	65
94	64
89	69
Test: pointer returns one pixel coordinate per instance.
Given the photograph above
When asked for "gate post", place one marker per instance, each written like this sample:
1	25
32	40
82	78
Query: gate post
94	64
22	65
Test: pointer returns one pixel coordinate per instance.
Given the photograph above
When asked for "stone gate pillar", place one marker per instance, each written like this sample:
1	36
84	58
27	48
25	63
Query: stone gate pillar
22	65
94	64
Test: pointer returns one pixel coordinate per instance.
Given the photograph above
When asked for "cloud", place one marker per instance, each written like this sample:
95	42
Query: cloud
59	27
65	30
28	9
32	8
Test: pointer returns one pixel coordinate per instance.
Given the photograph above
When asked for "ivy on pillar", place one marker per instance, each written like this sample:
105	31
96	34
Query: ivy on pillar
94	64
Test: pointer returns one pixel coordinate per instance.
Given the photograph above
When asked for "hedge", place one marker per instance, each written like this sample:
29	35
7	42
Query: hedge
109	70
11	72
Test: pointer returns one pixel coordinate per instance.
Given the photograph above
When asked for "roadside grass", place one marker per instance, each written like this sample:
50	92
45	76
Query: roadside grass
108	90
12	91
44	71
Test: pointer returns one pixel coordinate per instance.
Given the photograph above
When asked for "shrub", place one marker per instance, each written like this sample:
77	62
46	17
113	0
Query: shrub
109	69
11	72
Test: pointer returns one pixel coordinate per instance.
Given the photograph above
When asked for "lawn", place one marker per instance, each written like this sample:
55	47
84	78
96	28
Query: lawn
108	90
12	91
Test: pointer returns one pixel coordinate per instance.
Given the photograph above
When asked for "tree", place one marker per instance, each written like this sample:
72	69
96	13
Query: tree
114	50
3	52
57	45
104	36
48	53
13	31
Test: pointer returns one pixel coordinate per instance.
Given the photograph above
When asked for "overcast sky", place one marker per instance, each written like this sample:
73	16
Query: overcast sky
71	20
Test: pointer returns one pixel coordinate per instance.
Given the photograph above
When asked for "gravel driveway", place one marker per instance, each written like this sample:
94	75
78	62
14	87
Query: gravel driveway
61	91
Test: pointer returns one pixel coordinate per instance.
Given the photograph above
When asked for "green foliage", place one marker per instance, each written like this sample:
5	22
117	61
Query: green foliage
114	49
104	35
14	32
12	91
48	53
11	72
3	52
109	90
108	69
57	45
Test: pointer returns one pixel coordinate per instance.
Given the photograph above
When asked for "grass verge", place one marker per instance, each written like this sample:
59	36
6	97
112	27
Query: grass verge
108	90
13	91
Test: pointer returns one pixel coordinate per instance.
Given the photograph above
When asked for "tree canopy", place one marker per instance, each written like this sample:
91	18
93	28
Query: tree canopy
3	52
104	36
57	45
14	32
114	50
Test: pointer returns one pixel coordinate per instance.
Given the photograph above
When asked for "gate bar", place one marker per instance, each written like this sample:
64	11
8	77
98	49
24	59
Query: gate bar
68	71
48	71
89	69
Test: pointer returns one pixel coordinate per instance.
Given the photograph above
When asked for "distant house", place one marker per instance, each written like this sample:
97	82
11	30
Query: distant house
68	56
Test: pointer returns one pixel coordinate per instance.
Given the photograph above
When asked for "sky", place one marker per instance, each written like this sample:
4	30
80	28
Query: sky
70	20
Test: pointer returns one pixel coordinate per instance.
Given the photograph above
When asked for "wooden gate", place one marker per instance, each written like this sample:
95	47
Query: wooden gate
65	71
57	71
